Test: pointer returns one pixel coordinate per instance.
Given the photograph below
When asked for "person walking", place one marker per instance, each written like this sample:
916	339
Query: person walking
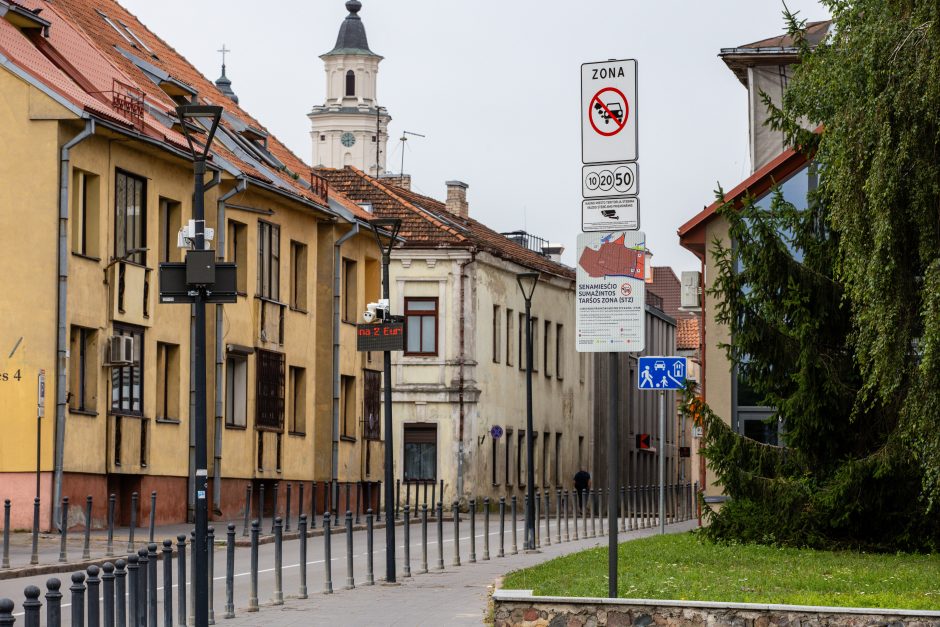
582	482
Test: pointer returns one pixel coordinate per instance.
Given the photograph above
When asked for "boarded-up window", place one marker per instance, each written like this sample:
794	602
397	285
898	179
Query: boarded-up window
420	452
347	406
371	409
510	339
497	339
350	291
269	402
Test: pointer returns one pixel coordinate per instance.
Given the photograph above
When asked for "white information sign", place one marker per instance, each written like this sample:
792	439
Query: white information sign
609	111
611	292
610	214
610	179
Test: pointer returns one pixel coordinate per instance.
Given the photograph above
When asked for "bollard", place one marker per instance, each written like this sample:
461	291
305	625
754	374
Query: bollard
180	579
406	528
247	510
350	578
558	516
278	561
502	527
346	493
548	529
34	556
92	601
599	501
397	498
133	527
440	536
6	613
313	506
253	567
575	502
515	544
143	589
631	504
210	570
592	512
133	569
455	508
167	583
153	516
564	507
358	499
486	527
6	534
623	512
434	494
327	554
277	485
287	510
31	606
54	603
229	574
120	593
112	501
424	535
537	521
64	530
78	599
152	584
107	594
300	502
583	506
473	531
425	498
302	528
370	576
260	507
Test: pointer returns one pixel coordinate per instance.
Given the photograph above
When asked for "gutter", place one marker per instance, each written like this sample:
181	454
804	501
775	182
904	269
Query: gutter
220	231
337	271
62	251
461	358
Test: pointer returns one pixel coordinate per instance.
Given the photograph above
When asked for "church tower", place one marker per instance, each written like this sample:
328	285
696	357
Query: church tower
350	128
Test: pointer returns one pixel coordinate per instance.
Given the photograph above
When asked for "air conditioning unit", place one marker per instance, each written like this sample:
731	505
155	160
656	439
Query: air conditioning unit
121	350
691	291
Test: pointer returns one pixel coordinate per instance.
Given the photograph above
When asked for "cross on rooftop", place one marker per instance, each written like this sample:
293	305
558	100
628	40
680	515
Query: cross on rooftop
223	50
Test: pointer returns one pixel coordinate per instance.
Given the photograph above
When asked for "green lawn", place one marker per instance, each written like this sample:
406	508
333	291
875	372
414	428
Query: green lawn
682	566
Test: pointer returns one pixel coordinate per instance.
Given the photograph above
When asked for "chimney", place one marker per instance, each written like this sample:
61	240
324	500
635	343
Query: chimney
398	180
553	251
457	198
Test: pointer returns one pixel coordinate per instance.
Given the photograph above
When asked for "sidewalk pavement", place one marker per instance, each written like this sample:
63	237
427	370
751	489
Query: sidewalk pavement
458	596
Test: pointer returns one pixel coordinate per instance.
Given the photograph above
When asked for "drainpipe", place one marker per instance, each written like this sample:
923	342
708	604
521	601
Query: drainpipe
62	314
337	272
460	378
240	186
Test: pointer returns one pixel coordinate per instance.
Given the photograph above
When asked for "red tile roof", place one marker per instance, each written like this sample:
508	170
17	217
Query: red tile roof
687	334
815	33
426	222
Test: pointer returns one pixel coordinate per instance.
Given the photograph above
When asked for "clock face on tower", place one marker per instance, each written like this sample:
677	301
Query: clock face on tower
347	139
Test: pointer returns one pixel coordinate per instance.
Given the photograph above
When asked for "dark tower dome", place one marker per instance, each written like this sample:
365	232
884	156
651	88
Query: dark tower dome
225	86
352	34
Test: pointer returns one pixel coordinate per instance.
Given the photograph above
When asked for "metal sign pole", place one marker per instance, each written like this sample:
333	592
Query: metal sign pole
613	472
662	461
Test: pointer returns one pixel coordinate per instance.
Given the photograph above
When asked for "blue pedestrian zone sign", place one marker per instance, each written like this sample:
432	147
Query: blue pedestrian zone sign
661	373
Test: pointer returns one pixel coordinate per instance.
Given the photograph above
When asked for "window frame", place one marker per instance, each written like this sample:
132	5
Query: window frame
350	291
347	407
167	353
497	334
268	285
82	365
410	429
127	370
298	276
270	401
349	87
297	377
139	258
421	314
231	420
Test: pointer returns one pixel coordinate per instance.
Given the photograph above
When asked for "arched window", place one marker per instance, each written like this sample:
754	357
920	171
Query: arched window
350	83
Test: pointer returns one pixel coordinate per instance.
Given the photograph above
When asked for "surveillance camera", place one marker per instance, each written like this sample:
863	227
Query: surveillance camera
376	311
368	316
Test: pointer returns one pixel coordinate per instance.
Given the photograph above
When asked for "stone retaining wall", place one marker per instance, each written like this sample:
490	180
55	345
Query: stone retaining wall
518	608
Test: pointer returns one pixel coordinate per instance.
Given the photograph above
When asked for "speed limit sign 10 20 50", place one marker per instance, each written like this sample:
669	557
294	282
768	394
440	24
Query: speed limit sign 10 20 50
610	179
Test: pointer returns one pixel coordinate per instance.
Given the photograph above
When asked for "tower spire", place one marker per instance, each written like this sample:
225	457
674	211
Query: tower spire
223	83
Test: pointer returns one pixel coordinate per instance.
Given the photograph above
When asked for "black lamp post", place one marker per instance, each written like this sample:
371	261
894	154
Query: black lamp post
527	282
208	116
389	228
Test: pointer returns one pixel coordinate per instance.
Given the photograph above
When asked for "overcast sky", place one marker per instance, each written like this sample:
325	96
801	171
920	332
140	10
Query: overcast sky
495	87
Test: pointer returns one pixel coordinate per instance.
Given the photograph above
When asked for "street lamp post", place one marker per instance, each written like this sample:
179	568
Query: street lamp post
527	282
389	228
188	114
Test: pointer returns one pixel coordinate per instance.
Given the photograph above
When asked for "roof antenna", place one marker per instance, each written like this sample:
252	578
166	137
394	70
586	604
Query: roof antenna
403	139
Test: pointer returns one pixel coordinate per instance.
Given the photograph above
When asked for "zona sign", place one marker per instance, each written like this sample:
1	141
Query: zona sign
609	111
609	106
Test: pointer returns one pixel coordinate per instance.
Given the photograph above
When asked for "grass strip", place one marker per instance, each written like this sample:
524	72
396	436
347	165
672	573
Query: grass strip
686	567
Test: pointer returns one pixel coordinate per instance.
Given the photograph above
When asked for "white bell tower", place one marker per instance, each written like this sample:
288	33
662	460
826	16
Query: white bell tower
350	128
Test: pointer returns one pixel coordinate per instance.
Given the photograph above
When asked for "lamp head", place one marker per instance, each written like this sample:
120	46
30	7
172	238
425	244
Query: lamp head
527	282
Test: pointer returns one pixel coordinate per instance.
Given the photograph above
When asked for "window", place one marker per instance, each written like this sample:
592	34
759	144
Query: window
127	390
237	253
494	460
497	339
269	411
298	400
130	217
421	326
547	362
83	370
559	352
546	443
85	211
508	451
298	276
236	391
556	472
322	138
269	259
522	353
510	330
420	441
520	458
371	412
535	344
347	406
168	381
350	310
170	217
350	83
